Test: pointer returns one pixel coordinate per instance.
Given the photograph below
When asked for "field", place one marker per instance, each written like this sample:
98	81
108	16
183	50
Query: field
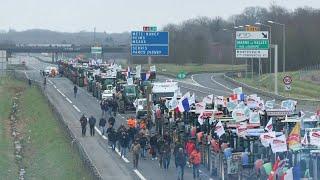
47	151
299	88
173	69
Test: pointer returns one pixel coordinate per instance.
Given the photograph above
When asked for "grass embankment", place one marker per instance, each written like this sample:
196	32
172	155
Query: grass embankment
299	88
173	69
47	152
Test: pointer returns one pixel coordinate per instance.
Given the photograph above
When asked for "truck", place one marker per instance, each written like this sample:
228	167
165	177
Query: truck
165	90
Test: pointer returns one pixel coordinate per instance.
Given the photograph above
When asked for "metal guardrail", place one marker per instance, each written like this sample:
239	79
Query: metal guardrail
88	164
272	95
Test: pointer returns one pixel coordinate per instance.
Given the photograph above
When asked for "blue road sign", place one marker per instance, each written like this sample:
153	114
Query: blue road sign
155	38
149	50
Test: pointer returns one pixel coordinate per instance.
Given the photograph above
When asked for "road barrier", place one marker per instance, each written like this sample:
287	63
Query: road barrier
312	102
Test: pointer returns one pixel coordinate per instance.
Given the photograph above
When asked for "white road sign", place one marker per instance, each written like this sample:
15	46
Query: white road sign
287	87
252	35
240	53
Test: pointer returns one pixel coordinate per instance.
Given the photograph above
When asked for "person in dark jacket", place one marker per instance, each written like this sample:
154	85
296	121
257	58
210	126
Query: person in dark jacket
111	121
112	137
180	160
166	156
102	125
131	135
160	146
114	107
75	90
92	123
102	108
124	142
83	122
153	144
143	144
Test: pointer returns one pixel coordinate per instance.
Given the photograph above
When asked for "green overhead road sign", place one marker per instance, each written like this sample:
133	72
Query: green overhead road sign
96	50
181	75
252	44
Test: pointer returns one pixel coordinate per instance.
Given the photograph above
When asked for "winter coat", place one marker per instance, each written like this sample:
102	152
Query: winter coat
111	120
92	121
143	141
190	146
83	121
153	140
112	134
136	149
102	122
195	157
180	159
124	140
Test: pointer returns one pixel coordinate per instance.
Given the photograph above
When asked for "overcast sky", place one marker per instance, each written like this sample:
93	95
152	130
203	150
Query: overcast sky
120	15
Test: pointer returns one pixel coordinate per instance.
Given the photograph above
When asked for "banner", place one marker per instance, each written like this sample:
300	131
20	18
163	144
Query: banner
200	107
294	138
288	104
130	81
254	118
219	130
231	106
270	104
279	144
153	68
208	99
238	115
269	126
267	138
219	100
242	130
138	71
315	138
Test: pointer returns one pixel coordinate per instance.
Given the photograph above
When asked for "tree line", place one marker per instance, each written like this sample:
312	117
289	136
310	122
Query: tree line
210	40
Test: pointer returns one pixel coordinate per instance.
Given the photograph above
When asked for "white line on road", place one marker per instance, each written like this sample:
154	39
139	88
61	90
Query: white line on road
50	81
212	79
196	82
76	108
124	158
99	132
55	86
139	174
69	100
61	93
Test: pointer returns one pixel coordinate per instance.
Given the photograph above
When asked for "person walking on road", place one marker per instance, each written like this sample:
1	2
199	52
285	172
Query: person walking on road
92	123
111	120
75	90
44	82
124	142
102	108
153	145
180	160
112	137
166	156
102	125
135	152
83	122
29	82
195	159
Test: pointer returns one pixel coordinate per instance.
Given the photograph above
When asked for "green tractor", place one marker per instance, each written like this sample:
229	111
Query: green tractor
128	96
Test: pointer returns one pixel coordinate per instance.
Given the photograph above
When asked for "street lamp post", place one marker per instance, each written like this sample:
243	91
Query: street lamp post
284	43
232	41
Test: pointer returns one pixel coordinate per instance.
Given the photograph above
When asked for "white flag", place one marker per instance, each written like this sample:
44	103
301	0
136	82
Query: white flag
242	130
200	107
269	126
192	99
267	138
219	129
208	99
279	144
304	141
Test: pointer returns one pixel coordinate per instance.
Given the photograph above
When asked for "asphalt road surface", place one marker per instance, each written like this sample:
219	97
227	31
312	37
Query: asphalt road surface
108	163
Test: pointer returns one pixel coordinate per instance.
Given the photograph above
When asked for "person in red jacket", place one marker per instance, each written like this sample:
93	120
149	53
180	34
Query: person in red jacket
195	159
190	146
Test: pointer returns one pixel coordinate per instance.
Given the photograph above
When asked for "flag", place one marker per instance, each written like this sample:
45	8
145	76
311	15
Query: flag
184	103
237	90
219	100
274	169
219	129
288	175
233	98
294	137
242	130
138	71
192	99
153	68
279	144
315	138
173	103
267	138
240	97
254	118
128	72
269	126
302	114
208	99
200	107
304	141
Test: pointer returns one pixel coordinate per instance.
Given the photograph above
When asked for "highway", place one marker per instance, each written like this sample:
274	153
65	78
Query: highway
108	163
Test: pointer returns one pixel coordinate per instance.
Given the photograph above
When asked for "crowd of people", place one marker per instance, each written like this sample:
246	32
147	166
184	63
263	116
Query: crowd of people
142	139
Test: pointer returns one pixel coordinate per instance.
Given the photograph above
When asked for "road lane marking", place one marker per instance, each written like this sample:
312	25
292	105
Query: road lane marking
74	106
124	158
61	93
69	100
139	174
196	82
99	132
212	79
50	81
55	86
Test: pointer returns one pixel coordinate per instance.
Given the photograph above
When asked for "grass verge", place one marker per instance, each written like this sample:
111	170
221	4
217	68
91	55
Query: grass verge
173	69
47	151
299	88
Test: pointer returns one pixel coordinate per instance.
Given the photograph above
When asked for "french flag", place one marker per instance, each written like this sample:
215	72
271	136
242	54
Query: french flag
240	97
184	103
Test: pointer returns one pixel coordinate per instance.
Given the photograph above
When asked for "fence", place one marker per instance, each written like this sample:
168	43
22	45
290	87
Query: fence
87	163
311	73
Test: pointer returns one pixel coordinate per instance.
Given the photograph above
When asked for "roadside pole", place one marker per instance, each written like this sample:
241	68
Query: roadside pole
275	69
251	68
246	68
